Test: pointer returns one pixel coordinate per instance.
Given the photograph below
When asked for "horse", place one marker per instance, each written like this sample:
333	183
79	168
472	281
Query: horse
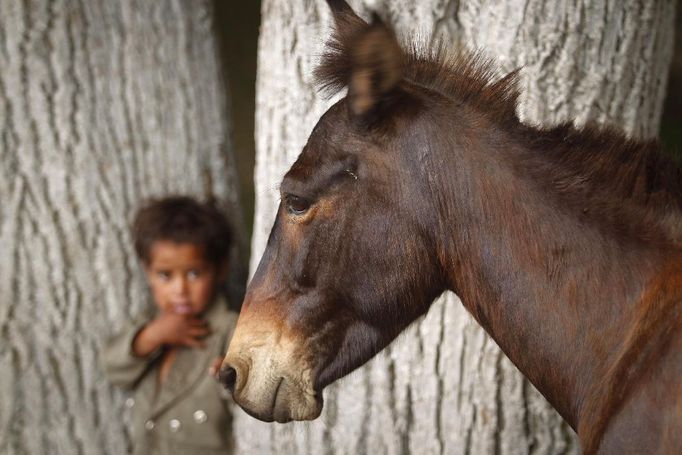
564	243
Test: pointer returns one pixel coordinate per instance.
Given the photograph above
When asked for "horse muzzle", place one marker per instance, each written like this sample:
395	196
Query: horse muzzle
269	381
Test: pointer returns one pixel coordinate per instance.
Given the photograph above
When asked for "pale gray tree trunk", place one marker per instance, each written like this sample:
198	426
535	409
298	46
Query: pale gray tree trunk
102	104
444	386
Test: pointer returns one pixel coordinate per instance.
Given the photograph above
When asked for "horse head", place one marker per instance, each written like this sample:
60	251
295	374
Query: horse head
350	261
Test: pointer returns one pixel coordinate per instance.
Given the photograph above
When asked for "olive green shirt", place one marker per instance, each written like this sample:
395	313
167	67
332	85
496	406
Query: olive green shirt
190	412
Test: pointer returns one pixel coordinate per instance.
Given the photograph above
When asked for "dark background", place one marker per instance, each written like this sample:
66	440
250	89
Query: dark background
671	125
238	23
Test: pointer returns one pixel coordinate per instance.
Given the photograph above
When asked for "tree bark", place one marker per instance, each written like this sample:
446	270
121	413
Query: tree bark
102	104
444	386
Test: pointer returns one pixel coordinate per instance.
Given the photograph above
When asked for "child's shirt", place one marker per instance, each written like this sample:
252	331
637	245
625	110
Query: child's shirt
189	412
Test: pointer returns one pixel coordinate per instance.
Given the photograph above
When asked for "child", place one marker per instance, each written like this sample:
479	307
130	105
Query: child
177	407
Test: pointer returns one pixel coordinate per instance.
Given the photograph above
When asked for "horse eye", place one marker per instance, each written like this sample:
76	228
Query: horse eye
297	205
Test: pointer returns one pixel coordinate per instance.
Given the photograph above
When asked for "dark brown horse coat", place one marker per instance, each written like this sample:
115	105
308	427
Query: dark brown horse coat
565	244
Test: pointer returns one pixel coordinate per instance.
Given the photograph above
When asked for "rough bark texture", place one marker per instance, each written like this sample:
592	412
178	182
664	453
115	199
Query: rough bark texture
102	104
444	386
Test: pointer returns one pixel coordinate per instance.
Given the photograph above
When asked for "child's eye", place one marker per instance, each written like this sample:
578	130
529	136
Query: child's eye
193	274
163	275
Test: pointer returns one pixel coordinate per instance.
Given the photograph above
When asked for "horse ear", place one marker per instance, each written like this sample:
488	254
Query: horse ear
376	67
339	7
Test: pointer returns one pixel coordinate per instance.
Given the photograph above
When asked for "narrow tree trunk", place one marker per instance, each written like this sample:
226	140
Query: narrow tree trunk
102	104
444	386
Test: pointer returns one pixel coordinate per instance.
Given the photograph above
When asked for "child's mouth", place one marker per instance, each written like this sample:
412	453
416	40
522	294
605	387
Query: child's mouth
184	308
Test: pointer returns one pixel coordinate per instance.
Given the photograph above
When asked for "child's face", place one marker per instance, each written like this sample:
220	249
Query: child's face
181	278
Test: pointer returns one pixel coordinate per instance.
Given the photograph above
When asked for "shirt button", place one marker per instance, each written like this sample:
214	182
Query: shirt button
174	425
200	416
149	425
130	402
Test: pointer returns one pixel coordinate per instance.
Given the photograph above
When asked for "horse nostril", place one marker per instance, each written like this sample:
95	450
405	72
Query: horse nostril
228	377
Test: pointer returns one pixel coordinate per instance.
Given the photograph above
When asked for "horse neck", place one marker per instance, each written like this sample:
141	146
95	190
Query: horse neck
552	288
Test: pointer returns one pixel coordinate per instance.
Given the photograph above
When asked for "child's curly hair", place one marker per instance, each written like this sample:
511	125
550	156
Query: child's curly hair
182	219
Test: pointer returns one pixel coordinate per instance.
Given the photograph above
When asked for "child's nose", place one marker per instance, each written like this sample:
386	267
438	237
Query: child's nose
180	285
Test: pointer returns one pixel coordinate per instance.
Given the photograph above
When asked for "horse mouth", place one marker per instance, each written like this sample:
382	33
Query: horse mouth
270	414
284	406
278	417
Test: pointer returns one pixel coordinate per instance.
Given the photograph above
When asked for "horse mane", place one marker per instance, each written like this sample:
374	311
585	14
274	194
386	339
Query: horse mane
467	77
583	160
632	183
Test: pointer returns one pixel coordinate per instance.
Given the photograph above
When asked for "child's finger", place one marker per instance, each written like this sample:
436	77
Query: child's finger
198	331
215	367
196	322
193	342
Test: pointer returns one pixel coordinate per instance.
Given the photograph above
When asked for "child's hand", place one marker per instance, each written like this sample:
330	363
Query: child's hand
180	330
214	369
170	329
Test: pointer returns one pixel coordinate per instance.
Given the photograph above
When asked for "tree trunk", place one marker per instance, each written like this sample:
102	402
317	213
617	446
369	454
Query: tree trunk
102	104
444	386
